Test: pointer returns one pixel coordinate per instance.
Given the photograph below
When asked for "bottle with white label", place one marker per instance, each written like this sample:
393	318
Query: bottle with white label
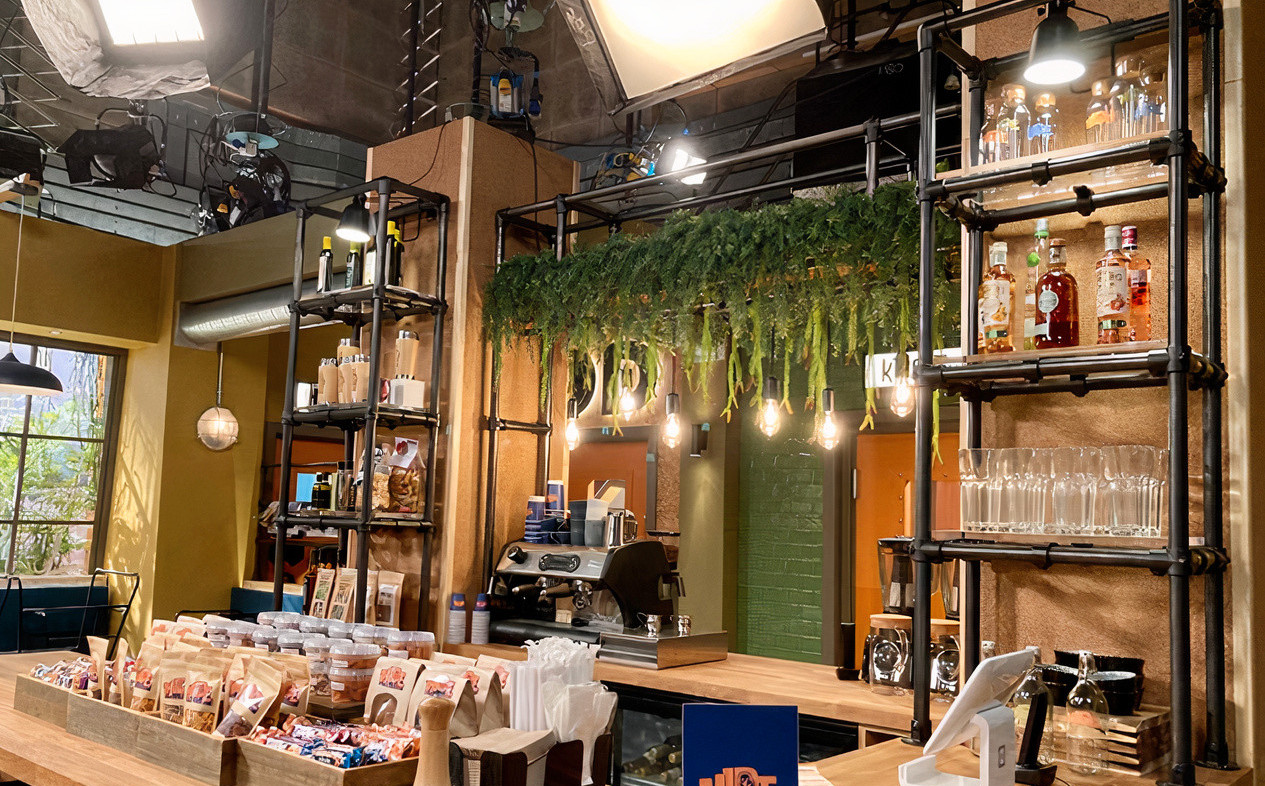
1139	287
1040	250
1113	298
996	302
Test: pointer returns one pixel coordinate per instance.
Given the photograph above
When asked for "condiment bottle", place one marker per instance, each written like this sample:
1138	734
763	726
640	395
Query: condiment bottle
996	301
395	267
355	266
1040	250
407	345
322	492
989	138
347	347
1112	274
1098	125
1058	321
325	266
327	382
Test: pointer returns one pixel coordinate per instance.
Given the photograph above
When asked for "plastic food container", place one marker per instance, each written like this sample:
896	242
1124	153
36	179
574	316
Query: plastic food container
239	634
286	620
316	648
291	642
422	645
265	638
217	629
362	633
351	655
320	677
267	617
348	685
398	643
338	630
314	625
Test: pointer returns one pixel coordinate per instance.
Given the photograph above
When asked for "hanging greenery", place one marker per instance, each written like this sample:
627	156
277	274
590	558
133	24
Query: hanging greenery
806	281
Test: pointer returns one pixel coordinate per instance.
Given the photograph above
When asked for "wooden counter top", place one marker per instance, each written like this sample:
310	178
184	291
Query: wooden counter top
749	679
876	766
41	754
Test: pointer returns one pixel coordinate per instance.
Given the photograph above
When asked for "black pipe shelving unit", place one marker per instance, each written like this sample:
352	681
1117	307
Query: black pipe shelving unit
1174	365
370	307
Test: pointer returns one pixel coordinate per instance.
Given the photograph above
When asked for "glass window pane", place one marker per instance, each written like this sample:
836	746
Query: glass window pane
13	407
9	447
51	549
81	408
60	480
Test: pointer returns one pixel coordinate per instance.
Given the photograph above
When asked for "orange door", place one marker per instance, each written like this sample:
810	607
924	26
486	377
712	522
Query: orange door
884	509
599	461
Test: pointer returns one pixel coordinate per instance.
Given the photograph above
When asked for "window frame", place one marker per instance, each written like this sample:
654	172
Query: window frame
109	451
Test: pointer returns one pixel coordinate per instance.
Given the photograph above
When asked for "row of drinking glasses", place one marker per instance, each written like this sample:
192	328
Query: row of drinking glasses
1118	490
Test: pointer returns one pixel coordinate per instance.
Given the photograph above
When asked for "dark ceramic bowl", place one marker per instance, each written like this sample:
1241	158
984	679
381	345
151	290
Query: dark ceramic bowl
1102	662
1060	680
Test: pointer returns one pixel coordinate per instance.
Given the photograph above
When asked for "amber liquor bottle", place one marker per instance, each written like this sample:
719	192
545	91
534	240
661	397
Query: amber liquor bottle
996	303
1058	323
1112	274
1139	287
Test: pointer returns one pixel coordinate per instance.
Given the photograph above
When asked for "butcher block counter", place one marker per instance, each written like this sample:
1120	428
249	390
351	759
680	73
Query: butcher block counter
749	679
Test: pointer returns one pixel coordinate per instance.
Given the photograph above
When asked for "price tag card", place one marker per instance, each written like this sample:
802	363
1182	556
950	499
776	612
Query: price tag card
740	745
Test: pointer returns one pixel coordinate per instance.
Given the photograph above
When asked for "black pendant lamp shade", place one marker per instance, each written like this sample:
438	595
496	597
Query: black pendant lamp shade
355	225
23	379
1056	56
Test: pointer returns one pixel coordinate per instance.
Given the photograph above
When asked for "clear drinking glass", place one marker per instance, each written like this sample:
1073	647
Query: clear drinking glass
1157	516
1038	486
1021	702
1074	489
1007	488
1131	489
973	466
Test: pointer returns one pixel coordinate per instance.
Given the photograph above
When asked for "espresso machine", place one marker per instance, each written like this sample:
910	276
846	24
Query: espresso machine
622	597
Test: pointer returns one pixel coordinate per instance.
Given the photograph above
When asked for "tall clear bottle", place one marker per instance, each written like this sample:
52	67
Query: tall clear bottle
1043	131
1040	250
1126	96
1113	299
996	303
1098	125
1155	100
990	138
1032	686
1139	287
1058	317
1087	714
1013	121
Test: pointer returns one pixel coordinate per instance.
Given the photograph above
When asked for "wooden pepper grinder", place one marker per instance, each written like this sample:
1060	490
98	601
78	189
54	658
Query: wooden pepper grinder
433	717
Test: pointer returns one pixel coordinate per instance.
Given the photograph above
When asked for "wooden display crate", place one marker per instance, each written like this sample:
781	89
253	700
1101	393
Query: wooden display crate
41	700
1136	744
259	765
191	753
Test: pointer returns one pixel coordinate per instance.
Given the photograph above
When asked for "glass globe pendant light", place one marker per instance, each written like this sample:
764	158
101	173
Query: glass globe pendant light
16	377
217	428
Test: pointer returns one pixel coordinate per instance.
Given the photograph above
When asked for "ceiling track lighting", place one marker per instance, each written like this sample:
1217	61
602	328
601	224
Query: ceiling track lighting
16	377
572	430
1057	55
828	431
355	225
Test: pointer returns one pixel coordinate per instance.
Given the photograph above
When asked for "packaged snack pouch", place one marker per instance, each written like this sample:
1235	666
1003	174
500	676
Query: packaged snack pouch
144	677
371	597
405	483
97	679
488	694
260	688
322	592
115	683
202	692
389	693
234	678
297	686
342	604
433	683
386	607
175	672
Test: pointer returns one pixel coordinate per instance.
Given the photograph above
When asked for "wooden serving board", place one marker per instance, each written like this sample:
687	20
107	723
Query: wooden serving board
259	765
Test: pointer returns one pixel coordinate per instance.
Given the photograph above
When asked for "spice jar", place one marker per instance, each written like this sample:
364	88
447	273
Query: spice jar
348	685
351	655
264	638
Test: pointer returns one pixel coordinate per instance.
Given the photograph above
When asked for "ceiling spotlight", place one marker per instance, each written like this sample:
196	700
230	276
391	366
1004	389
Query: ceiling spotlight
672	426
771	409
1056	56
828	431
902	397
572	431
679	154
355	225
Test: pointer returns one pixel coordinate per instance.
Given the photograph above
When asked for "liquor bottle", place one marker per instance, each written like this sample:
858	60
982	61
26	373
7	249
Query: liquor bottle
1155	101
996	301
1126	93
1040	249
395	269
325	266
1098	117
990	139
355	266
1012	123
1043	136
1139	287
1058	322
1112	274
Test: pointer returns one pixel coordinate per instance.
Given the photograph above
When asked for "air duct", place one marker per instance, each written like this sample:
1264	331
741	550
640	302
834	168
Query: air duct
249	314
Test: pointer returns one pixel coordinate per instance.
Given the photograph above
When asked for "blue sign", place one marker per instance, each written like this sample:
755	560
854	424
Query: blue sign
740	745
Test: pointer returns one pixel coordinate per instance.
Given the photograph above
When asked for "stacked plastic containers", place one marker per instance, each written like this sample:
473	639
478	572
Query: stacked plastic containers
217	629
316	648
411	644
351	666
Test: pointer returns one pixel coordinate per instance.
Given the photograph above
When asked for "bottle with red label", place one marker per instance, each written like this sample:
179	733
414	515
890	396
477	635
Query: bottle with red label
1058	321
1113	300
996	303
1139	287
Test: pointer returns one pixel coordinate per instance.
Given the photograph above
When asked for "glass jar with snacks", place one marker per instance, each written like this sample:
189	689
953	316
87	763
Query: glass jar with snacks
319	677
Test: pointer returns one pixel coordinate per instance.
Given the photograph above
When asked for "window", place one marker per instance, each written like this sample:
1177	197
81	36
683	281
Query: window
55	459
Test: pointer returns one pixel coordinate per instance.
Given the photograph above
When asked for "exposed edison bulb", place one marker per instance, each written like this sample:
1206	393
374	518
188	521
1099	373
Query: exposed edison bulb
672	430
572	433
902	397
828	434
627	404
770	417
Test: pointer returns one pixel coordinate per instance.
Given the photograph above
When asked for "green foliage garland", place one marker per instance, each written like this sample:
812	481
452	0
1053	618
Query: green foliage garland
801	281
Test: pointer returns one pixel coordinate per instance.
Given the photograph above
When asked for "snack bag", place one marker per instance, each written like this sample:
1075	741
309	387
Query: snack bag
488	694
321	592
175	672
437	684
144	677
297	686
386	607
389	693
114	687
371	597
260	688
404	483
454	660
97	649
202	692
234	678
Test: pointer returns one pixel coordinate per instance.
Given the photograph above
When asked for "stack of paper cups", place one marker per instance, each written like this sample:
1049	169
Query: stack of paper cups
480	620
457	620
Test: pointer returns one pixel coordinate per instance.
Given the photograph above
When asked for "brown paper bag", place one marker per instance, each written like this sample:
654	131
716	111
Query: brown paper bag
488	695
371	597
388	699
116	689
175	673
144	677
342	605
293	699
259	691
533	744
98	681
436	684
202	692
386	609
322	592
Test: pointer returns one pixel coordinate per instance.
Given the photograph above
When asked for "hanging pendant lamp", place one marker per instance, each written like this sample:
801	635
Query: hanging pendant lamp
16	377
217	428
